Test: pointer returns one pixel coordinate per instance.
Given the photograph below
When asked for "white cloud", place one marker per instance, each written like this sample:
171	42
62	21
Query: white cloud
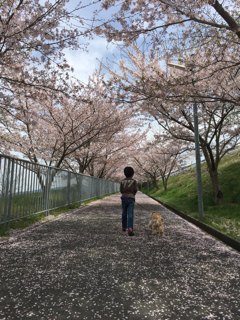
84	63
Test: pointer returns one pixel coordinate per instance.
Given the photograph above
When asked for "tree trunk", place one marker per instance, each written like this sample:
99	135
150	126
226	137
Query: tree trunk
217	193
155	183
164	180
43	182
213	172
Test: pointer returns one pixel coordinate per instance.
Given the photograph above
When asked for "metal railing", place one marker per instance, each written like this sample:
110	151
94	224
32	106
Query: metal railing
193	165
27	188
181	170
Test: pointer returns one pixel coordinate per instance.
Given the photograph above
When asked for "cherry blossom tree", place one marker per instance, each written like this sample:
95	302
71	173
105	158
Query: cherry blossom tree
116	150
102	158
86	134
168	98
160	157
52	127
33	37
201	34
136	17
183	24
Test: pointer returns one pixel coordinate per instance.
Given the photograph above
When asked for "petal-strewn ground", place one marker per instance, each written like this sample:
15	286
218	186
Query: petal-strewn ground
82	266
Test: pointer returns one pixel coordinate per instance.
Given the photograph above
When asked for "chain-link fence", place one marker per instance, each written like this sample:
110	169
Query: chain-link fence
27	188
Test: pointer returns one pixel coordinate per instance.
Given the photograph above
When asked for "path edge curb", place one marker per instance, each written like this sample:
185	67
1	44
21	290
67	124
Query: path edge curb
221	236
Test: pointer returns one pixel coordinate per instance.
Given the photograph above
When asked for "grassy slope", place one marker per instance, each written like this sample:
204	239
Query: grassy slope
182	195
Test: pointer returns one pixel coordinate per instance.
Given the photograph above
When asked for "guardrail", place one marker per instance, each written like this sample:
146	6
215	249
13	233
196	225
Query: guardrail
28	188
193	165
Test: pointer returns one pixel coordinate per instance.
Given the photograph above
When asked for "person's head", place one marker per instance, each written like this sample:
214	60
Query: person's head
129	172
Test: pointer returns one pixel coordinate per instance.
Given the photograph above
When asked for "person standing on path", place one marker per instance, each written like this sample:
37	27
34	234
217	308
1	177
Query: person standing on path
128	189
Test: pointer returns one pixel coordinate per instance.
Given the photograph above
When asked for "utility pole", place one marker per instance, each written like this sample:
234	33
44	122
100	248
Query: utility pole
198	162
197	148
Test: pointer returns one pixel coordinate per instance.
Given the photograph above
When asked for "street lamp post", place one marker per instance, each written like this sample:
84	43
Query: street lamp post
147	183
197	148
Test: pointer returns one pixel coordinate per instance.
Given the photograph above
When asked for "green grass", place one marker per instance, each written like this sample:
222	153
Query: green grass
182	195
40	217
29	203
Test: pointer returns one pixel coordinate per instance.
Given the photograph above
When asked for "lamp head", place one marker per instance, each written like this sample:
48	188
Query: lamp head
178	66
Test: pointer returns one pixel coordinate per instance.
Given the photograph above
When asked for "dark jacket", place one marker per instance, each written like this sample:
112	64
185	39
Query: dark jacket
128	188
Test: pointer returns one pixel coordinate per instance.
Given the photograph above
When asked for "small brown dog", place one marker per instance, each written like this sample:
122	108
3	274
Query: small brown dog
156	223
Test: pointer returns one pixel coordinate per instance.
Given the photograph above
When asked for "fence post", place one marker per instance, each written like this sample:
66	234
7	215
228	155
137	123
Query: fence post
2	187
10	194
80	188
96	187
6	195
68	188
7	206
48	185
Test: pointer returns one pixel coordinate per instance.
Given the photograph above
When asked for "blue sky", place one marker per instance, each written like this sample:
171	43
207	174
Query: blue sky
85	62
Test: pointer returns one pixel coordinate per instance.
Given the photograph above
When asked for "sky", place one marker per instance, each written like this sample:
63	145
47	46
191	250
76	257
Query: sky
85	62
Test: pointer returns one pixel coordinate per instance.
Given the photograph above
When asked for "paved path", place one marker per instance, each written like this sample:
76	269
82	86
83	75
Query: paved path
82	266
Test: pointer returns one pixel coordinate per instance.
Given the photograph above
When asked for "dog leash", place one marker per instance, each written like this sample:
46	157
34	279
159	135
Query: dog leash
142	206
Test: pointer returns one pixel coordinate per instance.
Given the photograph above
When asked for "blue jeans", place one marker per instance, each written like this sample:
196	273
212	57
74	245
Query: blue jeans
127	212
